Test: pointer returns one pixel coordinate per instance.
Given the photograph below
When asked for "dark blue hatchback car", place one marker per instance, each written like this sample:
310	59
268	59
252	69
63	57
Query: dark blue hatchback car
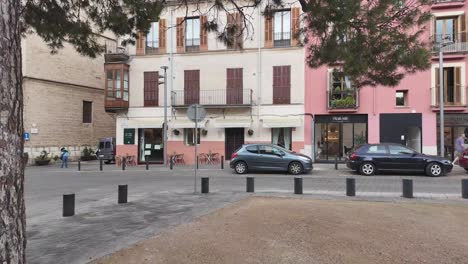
268	157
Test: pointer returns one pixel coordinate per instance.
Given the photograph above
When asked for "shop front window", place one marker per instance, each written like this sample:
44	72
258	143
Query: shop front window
282	137
151	146
334	140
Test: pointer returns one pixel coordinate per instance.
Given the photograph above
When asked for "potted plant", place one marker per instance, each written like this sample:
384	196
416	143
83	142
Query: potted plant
42	159
250	132
87	154
204	132
176	132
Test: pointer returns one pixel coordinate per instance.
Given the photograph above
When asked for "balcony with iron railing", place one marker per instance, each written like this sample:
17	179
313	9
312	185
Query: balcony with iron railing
343	100
152	47
282	39
212	98
438	4
454	98
192	44
114	52
453	43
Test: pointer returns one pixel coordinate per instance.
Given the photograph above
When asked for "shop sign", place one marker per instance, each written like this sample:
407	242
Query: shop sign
129	136
340	118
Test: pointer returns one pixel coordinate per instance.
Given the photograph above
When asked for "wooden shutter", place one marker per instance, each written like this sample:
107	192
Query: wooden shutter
462	21
162	36
151	89
295	26
268	32
180	34
191	87
234	86
140	44
281	84
457	87
203	34
87	112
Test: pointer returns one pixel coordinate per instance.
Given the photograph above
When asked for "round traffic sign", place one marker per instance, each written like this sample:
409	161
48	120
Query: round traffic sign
196	113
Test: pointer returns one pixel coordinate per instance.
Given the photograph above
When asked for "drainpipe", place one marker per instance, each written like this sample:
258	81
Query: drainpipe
259	64
171	53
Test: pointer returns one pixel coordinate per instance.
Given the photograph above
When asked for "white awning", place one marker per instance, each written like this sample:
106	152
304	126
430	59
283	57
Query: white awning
230	123
145	123
185	124
282	122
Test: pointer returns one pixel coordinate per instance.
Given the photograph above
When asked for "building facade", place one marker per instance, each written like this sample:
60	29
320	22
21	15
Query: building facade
344	116
63	99
252	88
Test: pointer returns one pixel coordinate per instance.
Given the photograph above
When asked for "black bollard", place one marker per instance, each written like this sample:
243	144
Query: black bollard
222	162
124	163
336	163
68	205
350	187
196	160
205	185
407	188
79	165
250	184
123	192
297	185
171	164
100	164
465	188
147	165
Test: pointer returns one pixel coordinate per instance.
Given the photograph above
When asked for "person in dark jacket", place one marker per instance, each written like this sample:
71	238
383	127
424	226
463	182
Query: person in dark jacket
64	157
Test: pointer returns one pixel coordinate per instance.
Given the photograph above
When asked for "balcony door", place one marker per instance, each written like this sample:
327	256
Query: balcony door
234	86
446	29
191	87
452	86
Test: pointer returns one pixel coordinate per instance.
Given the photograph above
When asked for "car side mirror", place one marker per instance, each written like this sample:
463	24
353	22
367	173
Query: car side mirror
414	154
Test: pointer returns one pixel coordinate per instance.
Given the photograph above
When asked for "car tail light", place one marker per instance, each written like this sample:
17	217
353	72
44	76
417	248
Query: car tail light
234	155
353	156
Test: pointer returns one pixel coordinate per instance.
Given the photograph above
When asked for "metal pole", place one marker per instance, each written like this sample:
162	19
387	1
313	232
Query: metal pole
165	116
441	100
196	149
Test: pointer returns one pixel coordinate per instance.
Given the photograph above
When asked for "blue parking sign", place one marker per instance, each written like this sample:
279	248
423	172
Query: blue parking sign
26	136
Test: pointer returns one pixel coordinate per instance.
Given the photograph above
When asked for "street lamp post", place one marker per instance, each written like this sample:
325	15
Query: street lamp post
165	115
443	43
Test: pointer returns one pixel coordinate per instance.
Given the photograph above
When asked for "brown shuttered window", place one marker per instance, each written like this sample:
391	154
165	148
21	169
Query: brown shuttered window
203	34
162	35
180	34
295	26
268	32
140	44
151	89
87	112
236	40
191	87
281	84
234	86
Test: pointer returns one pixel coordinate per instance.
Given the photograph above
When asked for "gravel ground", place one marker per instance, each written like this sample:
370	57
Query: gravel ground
287	230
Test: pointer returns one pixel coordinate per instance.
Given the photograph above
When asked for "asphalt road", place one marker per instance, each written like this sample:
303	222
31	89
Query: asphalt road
161	198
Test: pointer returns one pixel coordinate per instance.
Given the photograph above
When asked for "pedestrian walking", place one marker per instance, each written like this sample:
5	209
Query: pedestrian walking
459	147
64	157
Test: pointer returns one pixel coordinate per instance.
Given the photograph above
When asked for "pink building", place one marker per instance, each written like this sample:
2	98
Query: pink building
343	116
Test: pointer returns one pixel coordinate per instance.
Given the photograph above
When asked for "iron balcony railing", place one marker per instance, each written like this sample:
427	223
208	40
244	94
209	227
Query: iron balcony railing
447	1
232	97
343	98
454	95
282	39
152	47
192	44
456	42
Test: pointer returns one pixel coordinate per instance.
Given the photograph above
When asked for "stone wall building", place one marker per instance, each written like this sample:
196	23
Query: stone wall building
63	99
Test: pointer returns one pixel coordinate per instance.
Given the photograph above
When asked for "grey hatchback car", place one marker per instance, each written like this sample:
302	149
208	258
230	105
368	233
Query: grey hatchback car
268	157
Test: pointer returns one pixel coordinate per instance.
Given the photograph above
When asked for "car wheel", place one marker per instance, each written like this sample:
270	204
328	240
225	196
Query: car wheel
367	169
466	169
434	169
295	168
107	162
240	167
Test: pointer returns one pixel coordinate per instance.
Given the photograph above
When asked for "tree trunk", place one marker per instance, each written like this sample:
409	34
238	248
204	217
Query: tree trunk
12	210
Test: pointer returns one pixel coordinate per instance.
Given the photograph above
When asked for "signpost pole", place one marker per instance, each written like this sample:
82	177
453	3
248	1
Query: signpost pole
196	148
